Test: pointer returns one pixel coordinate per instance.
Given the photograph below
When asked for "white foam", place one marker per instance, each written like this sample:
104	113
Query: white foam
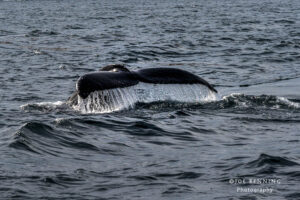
43	104
244	100
124	98
288	102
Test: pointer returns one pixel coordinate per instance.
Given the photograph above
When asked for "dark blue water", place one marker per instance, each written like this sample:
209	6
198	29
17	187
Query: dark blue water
249	50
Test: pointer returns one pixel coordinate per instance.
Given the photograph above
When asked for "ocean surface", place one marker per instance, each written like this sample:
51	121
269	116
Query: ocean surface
243	144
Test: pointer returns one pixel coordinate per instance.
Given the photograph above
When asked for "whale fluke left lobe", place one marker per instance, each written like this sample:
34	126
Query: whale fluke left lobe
104	80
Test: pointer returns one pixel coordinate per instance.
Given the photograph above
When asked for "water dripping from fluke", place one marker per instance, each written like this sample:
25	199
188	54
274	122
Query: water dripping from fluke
110	100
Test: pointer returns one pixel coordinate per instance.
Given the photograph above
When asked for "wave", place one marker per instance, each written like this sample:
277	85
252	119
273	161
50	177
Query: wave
265	167
254	101
165	96
235	102
43	106
37	33
45	139
265	159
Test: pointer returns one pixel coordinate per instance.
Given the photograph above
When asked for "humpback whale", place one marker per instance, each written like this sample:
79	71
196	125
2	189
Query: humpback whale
117	76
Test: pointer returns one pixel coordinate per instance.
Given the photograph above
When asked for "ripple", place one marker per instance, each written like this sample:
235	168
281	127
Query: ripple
38	33
284	21
178	189
265	159
181	175
75	26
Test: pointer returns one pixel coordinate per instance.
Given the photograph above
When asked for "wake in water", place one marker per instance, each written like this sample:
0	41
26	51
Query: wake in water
164	95
124	98
238	100
43	106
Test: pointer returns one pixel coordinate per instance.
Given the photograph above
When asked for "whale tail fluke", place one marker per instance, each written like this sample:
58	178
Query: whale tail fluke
171	76
118	76
114	87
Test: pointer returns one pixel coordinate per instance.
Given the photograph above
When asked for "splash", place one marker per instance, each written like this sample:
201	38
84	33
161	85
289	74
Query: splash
43	106
123	98
107	101
287	102
252	101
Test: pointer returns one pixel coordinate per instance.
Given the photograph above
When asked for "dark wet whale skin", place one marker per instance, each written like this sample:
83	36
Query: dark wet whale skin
116	76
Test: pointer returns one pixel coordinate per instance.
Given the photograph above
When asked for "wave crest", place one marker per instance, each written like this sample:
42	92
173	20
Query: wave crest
248	101
43	106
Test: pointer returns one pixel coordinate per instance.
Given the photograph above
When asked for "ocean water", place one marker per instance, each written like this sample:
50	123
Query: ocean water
241	144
